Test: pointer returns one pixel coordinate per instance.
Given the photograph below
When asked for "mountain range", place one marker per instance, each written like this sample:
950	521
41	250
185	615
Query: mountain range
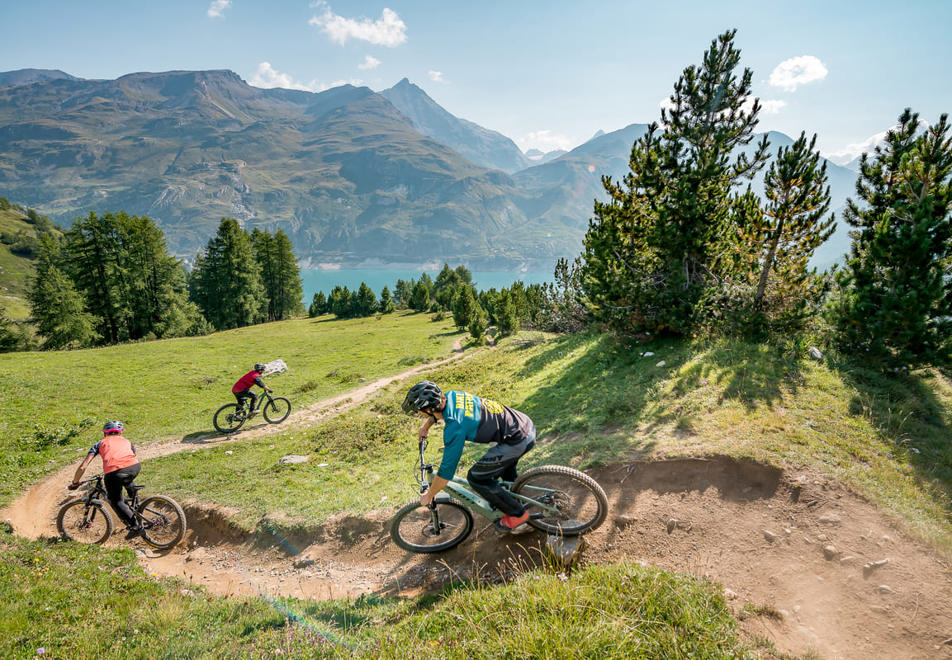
354	177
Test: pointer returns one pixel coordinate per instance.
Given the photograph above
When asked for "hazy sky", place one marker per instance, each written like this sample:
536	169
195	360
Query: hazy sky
548	73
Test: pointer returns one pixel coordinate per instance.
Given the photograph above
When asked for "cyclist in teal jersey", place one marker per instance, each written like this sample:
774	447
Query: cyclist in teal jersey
475	419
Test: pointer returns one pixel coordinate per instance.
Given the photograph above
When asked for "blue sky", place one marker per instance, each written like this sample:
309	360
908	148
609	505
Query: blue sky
548	74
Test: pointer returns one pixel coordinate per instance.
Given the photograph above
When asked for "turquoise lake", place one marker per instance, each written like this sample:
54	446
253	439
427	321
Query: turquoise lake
314	280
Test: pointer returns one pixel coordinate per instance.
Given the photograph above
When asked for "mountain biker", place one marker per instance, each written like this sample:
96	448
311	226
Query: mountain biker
120	467
242	389
475	419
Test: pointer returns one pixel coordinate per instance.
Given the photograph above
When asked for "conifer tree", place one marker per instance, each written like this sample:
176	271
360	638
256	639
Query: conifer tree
365	302
775	242
58	310
341	302
386	301
228	286
318	305
280	275
402	291
894	298
420	296
464	306
653	251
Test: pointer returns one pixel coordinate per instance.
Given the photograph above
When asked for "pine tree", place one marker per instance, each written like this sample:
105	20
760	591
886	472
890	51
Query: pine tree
420	297
653	251
402	292
464	306
280	275
894	298
365	302
477	326
95	264
775	242
387	305
228	287
318	305
341	302
58	310
507	314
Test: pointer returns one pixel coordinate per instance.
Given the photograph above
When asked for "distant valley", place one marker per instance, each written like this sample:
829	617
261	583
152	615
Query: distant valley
354	177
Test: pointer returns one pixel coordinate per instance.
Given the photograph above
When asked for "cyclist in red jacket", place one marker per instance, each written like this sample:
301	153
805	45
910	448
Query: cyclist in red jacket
242	389
120	467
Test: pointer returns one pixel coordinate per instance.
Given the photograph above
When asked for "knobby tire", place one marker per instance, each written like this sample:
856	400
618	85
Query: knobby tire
226	420
277	410
412	527
581	502
163	521
76	523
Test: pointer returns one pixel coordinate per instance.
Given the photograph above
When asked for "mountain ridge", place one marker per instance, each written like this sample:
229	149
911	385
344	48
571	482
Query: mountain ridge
346	173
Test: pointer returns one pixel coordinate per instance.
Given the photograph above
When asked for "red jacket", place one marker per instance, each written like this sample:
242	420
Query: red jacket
246	381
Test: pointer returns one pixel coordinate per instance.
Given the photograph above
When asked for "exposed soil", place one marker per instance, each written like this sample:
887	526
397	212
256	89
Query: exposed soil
803	561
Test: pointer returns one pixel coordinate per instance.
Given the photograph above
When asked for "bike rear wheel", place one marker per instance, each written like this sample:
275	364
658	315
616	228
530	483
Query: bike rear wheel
84	522
276	410
229	418
418	528
163	521
580	503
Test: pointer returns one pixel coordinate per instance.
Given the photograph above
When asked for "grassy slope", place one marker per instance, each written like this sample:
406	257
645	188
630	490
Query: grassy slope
58	400
595	402
14	270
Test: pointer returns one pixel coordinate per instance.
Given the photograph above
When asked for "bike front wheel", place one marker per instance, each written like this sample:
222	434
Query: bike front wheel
418	528
229	418
276	410
163	521
84	522
565	501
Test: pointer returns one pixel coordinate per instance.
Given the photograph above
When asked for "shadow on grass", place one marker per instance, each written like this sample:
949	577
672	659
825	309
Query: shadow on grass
592	401
752	374
913	422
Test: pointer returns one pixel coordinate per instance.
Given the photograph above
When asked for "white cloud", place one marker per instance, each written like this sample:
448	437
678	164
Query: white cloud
851	151
545	141
436	76
389	30
771	106
370	62
217	8
267	77
790	74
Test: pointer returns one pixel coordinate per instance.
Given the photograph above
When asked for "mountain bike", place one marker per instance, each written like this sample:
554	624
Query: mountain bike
87	519
560	500
230	417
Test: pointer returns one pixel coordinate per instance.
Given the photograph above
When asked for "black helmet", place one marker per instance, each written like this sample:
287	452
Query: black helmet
112	427
259	367
425	396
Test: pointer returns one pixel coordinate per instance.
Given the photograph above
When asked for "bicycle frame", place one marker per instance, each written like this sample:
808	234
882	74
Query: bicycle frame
460	489
99	492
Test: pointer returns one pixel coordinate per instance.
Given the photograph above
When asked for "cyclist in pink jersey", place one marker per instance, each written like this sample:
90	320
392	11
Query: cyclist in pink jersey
120	468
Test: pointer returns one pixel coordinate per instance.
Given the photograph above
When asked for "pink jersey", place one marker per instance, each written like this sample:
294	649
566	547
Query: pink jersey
116	453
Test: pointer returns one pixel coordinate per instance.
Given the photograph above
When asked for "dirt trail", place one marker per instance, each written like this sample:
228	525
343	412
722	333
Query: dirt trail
823	569
33	513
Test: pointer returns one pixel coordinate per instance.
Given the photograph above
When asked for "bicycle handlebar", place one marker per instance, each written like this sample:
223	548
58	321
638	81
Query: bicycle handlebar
85	481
